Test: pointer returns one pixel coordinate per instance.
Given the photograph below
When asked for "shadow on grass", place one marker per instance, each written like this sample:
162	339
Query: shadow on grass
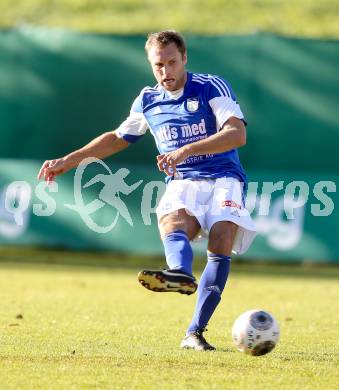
28	257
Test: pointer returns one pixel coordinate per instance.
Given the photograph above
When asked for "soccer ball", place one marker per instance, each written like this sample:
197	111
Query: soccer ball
255	332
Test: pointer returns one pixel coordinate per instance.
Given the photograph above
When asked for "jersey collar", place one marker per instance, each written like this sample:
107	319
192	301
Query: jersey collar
186	88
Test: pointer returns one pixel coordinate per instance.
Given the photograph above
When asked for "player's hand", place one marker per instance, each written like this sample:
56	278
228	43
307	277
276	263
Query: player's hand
168	162
52	168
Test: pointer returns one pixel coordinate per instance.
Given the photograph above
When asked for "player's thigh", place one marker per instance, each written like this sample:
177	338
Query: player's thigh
179	220
221	237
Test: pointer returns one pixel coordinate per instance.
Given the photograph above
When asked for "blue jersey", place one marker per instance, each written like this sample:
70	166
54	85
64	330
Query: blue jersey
200	111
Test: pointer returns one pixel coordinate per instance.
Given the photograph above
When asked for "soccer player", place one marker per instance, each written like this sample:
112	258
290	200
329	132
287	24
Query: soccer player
197	125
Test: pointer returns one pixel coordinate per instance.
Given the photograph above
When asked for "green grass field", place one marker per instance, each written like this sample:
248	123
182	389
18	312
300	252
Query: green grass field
310	18
90	325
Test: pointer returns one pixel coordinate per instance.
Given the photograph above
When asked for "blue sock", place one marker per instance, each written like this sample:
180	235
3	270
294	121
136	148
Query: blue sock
211	285
178	251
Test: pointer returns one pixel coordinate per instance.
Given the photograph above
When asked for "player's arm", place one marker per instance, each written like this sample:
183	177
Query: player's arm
231	136
103	146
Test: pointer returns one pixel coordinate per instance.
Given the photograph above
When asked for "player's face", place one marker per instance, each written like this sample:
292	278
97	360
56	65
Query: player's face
168	66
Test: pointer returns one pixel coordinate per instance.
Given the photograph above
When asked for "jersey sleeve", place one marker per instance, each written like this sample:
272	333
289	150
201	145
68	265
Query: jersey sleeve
223	102
135	125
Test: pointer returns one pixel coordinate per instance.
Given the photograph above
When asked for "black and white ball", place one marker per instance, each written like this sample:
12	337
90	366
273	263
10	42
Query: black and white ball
255	332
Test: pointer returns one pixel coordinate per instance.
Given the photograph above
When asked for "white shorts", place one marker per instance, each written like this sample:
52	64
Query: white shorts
211	201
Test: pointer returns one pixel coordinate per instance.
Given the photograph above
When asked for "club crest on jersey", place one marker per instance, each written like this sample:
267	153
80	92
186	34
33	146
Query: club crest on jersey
192	104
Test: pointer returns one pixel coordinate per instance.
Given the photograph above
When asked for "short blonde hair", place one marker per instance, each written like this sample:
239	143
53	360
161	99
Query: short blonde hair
164	38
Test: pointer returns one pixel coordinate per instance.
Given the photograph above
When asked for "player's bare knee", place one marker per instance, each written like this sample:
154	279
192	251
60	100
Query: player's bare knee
179	220
167	227
221	244
221	238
